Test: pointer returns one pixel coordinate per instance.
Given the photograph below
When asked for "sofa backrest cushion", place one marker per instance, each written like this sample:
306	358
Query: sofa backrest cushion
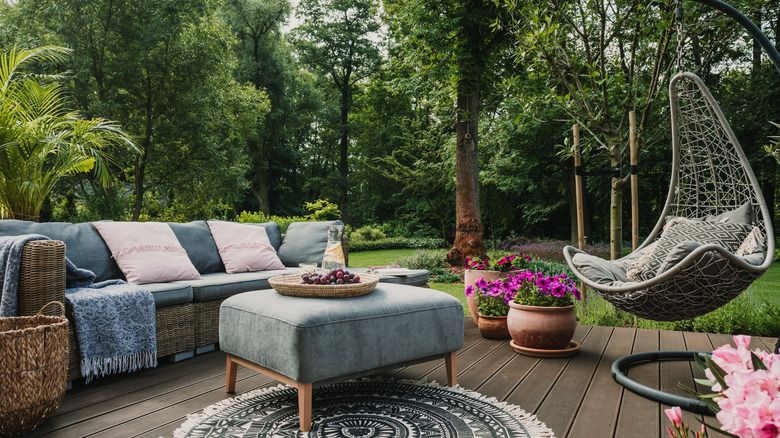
243	247
147	252
305	242
83	245
273	231
196	239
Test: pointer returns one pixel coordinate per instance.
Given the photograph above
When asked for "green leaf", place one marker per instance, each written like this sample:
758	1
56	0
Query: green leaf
757	364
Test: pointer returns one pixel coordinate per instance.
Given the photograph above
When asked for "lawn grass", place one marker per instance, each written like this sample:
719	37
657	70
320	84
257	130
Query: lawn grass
389	256
378	258
764	290
768	285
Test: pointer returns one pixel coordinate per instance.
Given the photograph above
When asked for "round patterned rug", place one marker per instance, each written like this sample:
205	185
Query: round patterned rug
366	409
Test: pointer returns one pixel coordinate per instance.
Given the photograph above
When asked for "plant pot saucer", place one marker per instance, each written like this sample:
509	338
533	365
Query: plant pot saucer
570	350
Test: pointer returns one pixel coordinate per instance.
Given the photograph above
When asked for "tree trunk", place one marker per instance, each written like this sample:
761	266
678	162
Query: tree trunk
468	220
139	172
344	145
756	67
259	185
616	202
571	194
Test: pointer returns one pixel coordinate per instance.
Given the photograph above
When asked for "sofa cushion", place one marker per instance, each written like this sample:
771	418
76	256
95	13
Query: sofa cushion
305	242
147	252
221	285
244	248
169	294
273	231
83	244
195	238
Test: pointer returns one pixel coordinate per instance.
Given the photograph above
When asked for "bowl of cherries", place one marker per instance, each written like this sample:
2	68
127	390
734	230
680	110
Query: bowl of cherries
335	283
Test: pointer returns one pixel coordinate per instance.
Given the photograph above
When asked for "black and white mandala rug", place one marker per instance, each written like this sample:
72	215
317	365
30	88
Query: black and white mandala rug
366	409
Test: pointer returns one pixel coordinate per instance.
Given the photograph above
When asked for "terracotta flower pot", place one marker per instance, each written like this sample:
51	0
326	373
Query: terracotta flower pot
493	327
542	328
469	277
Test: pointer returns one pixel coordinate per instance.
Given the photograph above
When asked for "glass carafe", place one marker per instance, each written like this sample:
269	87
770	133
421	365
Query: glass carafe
334	253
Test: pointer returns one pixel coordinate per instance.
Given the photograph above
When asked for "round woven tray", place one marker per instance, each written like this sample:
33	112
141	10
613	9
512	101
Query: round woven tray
291	285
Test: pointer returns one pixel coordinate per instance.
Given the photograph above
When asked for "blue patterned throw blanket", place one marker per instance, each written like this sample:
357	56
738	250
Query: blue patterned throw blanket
10	262
115	323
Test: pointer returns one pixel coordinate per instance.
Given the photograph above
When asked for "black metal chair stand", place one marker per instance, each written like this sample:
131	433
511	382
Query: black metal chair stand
620	368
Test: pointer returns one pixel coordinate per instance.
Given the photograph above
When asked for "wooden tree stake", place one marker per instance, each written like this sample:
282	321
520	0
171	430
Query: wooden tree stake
634	182
578	189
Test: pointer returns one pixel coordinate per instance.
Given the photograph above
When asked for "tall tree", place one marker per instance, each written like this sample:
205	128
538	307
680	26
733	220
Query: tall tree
452	47
265	60
338	39
591	60
164	69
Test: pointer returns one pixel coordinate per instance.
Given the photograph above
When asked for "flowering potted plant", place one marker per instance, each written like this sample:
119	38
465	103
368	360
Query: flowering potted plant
746	385
490	270
541	315
492	299
513	262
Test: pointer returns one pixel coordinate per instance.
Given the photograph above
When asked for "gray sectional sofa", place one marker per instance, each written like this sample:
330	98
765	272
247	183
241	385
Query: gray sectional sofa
187	312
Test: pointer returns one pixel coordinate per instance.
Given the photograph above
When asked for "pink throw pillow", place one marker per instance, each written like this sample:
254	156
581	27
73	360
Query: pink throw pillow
147	252
244	247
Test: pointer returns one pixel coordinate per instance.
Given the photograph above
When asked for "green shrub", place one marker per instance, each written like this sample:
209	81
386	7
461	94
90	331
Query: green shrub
424	260
426	243
259	217
550	268
367	233
439	275
322	210
386	243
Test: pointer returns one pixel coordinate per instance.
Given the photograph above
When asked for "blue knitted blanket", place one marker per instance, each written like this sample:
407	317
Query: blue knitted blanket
10	262
115	324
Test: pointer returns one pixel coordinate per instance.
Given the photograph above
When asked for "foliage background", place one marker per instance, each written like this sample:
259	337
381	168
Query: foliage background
232	118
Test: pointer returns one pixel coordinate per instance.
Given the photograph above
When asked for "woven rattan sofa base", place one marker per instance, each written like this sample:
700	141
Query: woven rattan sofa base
175	330
207	322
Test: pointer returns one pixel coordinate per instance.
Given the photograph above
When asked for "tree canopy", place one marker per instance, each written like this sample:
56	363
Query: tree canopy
446	119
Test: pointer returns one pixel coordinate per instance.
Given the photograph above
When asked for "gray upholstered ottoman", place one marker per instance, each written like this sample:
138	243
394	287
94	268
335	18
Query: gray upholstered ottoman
308	341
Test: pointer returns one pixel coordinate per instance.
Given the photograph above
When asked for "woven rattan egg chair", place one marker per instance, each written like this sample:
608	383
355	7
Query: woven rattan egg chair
710	176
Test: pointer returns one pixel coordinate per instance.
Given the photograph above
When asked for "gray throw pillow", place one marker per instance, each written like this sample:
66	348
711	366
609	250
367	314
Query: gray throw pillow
726	234
599	270
305	242
742	215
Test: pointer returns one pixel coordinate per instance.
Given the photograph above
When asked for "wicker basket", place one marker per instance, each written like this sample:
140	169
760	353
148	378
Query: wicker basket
291	285
33	369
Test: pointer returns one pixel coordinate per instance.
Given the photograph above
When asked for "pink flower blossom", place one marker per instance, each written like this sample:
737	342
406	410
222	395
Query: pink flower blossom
675	415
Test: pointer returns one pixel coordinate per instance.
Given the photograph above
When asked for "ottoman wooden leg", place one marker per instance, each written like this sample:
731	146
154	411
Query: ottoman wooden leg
304	405
452	369
231	370
305	390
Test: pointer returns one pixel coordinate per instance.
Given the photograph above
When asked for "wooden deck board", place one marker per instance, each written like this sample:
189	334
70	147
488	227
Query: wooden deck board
637	414
560	408
603	397
576	396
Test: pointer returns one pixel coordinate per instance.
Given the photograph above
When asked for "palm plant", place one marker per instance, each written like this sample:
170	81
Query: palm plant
40	140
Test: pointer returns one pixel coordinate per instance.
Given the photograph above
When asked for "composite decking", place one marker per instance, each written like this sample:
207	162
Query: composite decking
575	397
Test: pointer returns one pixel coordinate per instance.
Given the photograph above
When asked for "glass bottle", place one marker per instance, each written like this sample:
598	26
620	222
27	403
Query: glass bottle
334	253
